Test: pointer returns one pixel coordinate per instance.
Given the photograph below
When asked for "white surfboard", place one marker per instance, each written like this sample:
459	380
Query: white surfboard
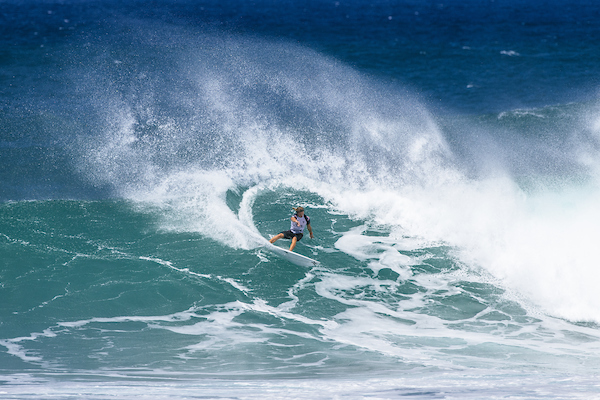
292	257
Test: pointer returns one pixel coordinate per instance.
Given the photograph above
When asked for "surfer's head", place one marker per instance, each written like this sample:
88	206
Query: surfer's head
299	210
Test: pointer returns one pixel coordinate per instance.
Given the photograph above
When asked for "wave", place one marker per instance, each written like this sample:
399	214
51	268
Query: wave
187	127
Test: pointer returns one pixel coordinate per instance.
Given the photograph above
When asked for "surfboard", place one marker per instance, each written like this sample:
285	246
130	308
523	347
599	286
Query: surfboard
294	258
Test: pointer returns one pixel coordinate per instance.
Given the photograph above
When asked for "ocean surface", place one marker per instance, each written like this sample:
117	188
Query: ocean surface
447	153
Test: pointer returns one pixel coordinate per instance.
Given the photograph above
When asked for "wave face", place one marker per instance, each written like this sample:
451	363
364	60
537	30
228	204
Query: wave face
144	165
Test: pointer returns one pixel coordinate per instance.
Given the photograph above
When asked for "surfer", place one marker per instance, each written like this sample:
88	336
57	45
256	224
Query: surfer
299	222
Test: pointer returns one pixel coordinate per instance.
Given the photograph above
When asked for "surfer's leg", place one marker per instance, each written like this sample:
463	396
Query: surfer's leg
276	238
294	240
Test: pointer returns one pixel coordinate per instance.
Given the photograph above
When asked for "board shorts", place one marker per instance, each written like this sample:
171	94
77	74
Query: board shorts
290	234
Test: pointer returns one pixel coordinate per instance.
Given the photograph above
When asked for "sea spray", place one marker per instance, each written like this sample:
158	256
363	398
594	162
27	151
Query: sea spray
228	118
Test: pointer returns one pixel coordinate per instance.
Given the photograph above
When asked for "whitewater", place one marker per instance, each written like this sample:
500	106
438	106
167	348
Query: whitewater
143	169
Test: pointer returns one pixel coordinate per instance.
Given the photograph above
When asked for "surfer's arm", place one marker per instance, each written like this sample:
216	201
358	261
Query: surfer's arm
310	231
295	220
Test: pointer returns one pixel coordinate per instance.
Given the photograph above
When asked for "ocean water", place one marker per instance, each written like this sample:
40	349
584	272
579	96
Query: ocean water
447	152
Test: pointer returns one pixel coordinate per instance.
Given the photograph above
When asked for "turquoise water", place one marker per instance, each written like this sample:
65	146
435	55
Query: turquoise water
110	291
448	162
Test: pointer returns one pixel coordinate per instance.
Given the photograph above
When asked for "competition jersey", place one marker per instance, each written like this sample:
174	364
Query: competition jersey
303	221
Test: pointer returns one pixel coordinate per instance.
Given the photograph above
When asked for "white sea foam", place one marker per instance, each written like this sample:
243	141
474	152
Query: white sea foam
541	244
163	385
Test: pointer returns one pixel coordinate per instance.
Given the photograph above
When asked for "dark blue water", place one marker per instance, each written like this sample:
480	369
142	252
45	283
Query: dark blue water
446	152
